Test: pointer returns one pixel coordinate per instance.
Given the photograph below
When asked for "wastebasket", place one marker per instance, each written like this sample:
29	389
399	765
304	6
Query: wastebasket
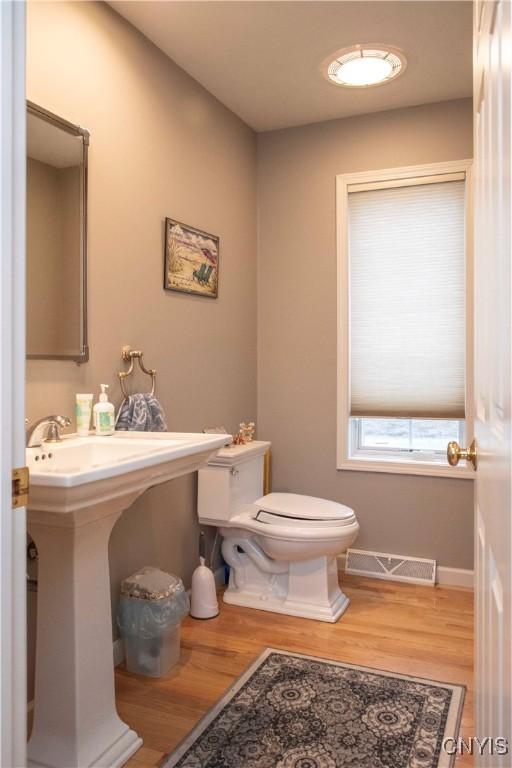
149	614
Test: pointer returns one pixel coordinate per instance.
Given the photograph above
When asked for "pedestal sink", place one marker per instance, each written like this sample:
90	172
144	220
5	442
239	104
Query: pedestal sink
78	490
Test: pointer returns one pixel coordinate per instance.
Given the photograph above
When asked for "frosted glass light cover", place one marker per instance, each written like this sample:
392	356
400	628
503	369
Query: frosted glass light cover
364	66
364	71
407	301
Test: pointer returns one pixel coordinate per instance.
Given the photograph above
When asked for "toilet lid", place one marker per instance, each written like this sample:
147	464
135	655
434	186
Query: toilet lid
308	509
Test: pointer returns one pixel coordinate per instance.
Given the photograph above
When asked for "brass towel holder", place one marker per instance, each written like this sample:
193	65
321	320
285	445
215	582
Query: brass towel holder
129	356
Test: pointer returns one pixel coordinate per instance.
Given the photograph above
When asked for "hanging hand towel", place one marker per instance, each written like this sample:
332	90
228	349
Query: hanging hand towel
141	413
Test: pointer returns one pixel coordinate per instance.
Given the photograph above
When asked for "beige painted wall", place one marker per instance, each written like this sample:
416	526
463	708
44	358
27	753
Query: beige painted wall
160	146
422	516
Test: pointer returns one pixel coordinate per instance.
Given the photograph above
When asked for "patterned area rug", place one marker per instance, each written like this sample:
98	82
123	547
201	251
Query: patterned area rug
294	711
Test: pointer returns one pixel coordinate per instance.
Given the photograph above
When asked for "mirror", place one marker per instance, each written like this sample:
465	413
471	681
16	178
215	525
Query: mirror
56	237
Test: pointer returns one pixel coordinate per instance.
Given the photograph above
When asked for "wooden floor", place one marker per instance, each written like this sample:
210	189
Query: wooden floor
422	631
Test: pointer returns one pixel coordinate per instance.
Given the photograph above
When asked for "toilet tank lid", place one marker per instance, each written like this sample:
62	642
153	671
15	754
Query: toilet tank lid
232	455
303	507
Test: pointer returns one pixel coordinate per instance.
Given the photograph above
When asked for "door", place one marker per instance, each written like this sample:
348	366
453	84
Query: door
492	250
13	696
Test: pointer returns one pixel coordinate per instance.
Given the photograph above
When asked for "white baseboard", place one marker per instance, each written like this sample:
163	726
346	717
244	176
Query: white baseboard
118	646
445	576
455	577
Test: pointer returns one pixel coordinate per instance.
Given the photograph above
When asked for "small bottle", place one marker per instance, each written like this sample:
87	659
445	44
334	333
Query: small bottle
104	421
83	411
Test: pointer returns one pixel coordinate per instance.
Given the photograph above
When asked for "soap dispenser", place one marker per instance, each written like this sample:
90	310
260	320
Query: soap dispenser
104	419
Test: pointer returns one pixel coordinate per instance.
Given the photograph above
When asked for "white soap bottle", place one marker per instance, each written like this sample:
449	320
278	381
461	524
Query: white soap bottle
104	419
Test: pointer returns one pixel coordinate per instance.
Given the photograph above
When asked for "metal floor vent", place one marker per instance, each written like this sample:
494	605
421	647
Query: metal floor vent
415	570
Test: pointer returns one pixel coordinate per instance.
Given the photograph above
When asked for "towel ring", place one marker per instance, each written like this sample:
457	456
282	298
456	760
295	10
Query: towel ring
129	356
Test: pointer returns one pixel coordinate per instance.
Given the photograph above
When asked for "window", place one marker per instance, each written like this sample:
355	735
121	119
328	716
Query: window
417	439
404	338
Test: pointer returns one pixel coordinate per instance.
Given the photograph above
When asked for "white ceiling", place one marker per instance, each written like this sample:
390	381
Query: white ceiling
262	59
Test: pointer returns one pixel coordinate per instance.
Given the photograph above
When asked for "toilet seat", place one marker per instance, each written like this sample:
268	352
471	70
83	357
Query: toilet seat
274	518
285	527
303	511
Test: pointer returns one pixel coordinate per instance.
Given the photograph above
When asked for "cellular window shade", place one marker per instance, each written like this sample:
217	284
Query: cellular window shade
407	301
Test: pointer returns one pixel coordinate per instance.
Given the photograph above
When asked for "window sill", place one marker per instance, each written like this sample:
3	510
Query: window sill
406	468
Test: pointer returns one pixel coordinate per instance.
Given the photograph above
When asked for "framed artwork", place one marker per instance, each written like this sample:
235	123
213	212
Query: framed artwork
191	260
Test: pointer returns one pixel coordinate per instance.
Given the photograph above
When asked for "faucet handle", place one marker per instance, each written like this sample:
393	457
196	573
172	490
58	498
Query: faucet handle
54	427
62	421
53	433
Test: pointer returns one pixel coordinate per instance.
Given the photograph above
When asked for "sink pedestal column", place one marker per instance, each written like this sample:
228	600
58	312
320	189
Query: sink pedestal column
75	720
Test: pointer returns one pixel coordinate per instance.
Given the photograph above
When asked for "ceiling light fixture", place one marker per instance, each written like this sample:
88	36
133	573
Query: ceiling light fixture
363	66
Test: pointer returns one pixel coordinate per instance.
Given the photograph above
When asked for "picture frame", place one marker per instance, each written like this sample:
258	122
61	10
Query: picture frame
191	260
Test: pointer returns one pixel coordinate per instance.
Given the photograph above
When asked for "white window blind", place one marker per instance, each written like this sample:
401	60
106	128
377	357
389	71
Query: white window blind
407	300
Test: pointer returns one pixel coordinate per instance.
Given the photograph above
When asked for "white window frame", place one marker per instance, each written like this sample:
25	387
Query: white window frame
381	179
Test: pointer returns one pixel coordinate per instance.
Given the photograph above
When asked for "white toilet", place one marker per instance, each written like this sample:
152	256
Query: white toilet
281	547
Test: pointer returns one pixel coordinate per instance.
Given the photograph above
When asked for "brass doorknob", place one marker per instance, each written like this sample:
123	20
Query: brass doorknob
455	453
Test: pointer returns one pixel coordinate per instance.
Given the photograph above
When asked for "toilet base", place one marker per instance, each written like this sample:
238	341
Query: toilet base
305	588
264	602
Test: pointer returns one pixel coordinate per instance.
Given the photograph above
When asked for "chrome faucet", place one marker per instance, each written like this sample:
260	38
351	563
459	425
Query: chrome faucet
52	425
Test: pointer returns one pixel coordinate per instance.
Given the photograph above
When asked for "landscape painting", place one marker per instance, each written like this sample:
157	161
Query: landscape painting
191	260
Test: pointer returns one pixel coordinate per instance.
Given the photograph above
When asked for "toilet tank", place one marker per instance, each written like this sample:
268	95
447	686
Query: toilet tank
231	480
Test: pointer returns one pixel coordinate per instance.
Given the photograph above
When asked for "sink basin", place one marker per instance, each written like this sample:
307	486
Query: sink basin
78	489
90	477
79	460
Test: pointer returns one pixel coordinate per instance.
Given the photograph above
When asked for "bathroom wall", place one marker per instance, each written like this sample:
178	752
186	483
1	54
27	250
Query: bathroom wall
160	146
405	514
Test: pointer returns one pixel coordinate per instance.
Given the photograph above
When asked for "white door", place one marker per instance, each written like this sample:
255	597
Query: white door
13	696
492	248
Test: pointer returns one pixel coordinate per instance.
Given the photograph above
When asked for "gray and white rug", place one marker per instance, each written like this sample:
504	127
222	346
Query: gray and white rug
294	711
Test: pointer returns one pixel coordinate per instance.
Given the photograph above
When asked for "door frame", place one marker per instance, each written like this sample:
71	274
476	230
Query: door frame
13	657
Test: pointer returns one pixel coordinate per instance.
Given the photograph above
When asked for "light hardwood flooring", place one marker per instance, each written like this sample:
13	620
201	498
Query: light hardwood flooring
422	631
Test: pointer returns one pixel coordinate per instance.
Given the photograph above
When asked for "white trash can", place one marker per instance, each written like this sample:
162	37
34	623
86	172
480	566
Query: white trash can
149	614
